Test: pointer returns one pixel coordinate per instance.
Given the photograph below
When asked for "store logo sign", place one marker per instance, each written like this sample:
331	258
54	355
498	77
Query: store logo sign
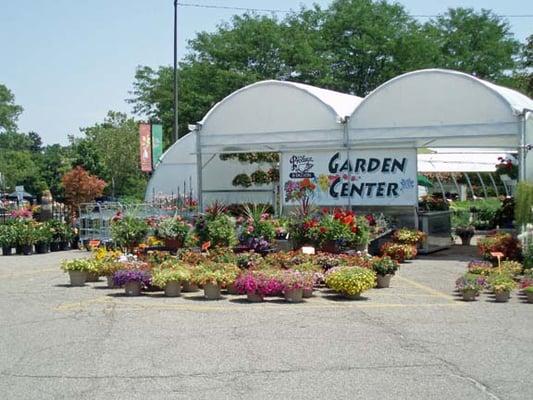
301	167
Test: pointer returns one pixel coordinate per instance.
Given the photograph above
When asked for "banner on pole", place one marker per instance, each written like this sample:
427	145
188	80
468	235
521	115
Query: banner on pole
377	177
145	147
157	143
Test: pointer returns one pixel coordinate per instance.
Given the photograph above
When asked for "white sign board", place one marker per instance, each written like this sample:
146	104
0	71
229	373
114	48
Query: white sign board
377	177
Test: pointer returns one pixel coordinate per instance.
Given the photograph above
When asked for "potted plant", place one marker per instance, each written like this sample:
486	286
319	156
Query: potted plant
408	236
93	273
398	251
43	238
529	293
499	242
502	285
469	285
293	284
128	231
26	237
258	284
77	270
312	274
480	267
173	231
132	279
170	276
465	233
339	230
108	268
385	268
7	239
351	281
212	276
216	228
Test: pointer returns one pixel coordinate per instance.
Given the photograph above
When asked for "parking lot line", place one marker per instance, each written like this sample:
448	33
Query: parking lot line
426	289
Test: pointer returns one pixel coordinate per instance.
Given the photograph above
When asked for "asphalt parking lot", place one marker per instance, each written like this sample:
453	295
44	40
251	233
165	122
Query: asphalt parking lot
415	340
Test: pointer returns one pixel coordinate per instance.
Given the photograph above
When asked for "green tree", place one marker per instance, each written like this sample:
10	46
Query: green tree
480	43
9	111
113	147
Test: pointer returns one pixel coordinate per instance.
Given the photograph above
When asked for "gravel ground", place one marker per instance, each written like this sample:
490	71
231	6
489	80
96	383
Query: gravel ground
415	340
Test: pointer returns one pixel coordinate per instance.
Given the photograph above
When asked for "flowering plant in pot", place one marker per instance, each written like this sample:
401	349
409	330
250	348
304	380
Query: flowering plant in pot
408	236
470	285
398	251
212	276
385	268
43	238
293	283
170	275
216	227
25	234
501	284
128	231
480	267
77	270
340	230
133	280
258	284
513	268
174	231
499	242
312	273
7	239
351	281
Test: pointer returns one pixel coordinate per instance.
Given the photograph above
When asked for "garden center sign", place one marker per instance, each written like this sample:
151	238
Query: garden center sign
357	177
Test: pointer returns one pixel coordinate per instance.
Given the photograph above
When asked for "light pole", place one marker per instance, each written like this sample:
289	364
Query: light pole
175	89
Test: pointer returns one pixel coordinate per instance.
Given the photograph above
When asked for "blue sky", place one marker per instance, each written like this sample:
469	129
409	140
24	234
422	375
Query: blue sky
70	61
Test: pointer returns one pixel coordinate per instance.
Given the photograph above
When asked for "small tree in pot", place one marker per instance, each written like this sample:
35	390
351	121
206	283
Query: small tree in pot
385	268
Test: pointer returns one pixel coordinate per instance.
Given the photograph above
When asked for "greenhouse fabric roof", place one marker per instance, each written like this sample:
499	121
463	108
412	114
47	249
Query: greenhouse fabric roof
459	162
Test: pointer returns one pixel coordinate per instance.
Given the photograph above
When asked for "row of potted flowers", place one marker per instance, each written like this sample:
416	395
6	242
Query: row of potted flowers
256	278
27	236
498	279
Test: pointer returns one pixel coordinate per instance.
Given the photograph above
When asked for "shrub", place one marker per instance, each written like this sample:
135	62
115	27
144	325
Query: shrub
351	280
384	265
123	276
128	231
408	236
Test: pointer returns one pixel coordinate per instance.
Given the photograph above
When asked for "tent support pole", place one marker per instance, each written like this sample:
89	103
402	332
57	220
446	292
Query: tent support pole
482	184
456	184
522	149
494	184
346	145
199	168
470	185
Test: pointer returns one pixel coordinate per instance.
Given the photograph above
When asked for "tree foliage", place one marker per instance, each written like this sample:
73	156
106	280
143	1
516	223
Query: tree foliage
9	111
81	187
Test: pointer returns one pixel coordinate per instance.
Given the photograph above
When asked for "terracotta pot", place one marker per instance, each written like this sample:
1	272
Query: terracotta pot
469	295
77	278
502	297
307	293
294	295
7	251
173	289
93	277
188	287
173	244
384	281
212	292
132	288
254	297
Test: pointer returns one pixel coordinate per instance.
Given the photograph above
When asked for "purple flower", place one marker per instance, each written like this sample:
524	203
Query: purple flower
123	276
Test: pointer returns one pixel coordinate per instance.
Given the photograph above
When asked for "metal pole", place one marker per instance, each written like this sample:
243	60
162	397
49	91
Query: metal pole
346	140
199	168
470	185
482	184
494	184
175	105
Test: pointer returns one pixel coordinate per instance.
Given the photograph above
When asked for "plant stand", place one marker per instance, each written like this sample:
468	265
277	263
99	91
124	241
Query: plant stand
173	289
383	281
294	295
132	288
212	292
77	278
